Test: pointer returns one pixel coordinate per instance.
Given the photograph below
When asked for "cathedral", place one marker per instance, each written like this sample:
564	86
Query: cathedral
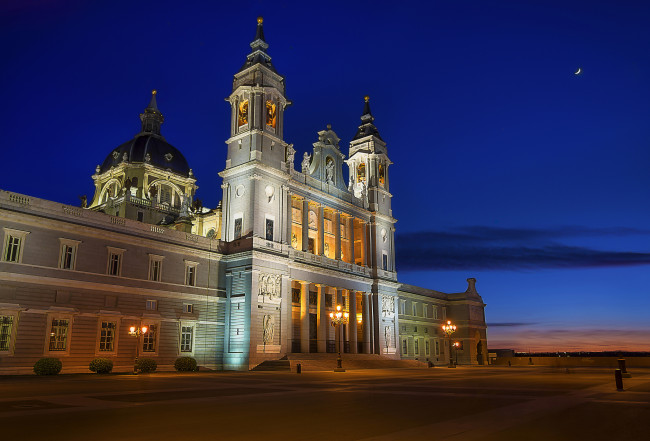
256	278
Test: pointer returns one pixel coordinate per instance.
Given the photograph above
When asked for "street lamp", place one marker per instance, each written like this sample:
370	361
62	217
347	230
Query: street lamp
456	346
339	318
449	329
137	331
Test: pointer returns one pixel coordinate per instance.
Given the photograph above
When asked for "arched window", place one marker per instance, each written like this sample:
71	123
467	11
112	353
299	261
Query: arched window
242	115
361	172
210	234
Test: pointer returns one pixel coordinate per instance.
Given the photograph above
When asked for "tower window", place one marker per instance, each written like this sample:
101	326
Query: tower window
271	113
242	116
382	177
361	172
269	229
238	226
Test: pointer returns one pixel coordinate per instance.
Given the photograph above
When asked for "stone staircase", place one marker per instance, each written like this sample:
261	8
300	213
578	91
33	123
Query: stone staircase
282	365
327	362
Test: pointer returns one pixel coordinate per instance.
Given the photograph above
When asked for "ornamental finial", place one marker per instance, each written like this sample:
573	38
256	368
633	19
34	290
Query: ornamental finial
260	20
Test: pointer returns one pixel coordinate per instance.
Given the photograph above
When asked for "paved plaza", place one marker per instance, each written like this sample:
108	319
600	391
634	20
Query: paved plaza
467	403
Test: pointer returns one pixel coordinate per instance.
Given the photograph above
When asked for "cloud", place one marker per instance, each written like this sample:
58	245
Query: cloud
478	248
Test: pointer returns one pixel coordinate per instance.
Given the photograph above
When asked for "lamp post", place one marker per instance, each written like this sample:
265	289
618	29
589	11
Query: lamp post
449	329
456	346
339	318
137	331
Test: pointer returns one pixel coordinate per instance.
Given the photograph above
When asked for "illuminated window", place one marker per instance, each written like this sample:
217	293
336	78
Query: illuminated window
381	175
114	264
361	172
13	245
6	334
271	113
187	338
149	338
107	336
242	114
59	334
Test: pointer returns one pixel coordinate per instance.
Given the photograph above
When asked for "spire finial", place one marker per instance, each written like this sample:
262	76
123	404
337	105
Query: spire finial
153	92
260	20
366	98
152	118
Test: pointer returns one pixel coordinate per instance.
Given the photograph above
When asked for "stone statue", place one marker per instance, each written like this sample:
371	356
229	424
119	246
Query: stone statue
329	172
305	162
84	201
185	206
125	157
388	337
147	158
291	154
268	324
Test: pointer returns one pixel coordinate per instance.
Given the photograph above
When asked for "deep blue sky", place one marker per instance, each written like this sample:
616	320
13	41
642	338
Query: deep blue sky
508	167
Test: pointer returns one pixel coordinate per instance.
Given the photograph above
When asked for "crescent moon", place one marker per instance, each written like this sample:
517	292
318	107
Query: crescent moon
579	71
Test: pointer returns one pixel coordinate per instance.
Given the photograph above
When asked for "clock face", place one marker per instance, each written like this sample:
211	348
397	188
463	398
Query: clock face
240	190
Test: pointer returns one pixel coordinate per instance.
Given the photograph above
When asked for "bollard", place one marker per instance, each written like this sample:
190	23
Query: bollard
298	368
621	366
619	380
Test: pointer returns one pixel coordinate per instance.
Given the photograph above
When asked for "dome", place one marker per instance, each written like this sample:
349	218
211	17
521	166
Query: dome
148	148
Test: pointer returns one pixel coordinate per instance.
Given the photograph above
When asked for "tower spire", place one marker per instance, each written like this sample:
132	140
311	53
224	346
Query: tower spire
259	46
152	119
367	128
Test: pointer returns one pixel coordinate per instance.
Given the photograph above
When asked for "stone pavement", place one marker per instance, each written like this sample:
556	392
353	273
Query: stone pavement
467	403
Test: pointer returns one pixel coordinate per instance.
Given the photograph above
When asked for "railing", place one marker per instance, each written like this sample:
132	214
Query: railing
22	200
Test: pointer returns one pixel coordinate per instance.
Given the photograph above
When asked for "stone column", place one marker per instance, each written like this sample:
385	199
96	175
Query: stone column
321	231
366	323
288	215
225	212
351	238
370	245
323	320
352	334
305	224
286	324
304	317
337	235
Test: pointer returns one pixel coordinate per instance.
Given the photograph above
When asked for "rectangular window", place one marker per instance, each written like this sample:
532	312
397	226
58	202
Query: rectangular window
59	334
426	347
190	273
187	332
402	307
328	300
114	265
68	253
295	295
437	347
415	309
188	308
384	260
435	312
151	305
13	245
313	298
107	336
238	225
417	346
155	267
405	347
269	229
6	327
425	310
149	339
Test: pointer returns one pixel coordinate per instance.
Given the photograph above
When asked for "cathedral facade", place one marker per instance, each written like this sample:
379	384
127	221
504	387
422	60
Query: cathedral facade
251	280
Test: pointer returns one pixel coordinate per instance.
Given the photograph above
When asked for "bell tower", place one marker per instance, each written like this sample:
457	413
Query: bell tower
368	164
257	109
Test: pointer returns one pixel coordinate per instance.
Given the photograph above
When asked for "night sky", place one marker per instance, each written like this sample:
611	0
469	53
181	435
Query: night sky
508	167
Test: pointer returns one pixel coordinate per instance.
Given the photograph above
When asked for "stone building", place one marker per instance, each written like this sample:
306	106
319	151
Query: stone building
251	280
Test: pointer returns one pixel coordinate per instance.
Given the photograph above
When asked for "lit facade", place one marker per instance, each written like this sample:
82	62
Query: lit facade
252	280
